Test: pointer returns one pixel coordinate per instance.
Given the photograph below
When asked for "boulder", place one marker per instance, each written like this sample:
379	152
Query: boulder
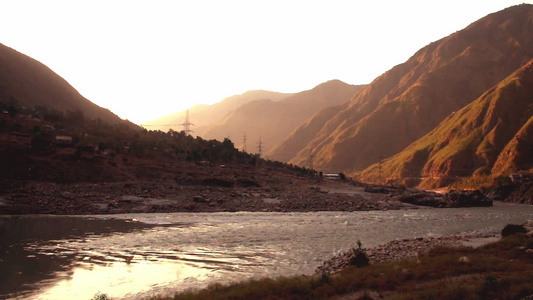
423	199
464	260
467	199
513	229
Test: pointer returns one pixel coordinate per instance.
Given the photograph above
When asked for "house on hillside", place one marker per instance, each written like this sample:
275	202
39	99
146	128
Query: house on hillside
332	176
521	177
63	140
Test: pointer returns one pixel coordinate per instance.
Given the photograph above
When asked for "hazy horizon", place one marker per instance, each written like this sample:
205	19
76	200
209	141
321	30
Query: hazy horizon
126	55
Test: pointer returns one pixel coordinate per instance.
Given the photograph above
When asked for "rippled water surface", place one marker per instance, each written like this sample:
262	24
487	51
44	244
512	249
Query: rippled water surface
135	255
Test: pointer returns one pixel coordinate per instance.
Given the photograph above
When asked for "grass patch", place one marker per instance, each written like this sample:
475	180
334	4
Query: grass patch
502	270
475	182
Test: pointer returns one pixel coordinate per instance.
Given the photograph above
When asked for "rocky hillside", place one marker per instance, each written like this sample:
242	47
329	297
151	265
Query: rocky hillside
274	121
203	116
27	82
412	98
492	135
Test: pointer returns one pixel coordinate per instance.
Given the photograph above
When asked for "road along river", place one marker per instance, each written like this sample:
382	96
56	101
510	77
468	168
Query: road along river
137	255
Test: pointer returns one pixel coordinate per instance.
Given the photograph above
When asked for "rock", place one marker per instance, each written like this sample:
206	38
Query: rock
381	189
464	260
513	229
423	199
200	199
467	199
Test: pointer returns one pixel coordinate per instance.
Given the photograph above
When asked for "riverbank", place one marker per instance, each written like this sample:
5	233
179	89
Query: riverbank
502	270
259	193
54	255
410	248
143	197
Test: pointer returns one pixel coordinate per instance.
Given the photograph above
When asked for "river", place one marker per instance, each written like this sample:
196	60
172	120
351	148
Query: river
136	255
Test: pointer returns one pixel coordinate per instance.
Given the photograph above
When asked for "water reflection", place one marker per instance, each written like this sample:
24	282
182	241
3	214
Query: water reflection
24	268
138	277
46	257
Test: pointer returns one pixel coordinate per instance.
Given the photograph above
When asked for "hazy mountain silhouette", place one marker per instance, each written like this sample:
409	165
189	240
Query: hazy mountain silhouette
30	83
202	116
492	135
412	98
274	121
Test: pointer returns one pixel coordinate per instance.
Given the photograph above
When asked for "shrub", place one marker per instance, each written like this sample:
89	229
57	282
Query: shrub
100	296
512	229
359	257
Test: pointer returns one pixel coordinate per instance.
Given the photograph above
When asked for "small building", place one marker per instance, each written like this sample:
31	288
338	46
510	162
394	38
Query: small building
63	140
521	177
332	176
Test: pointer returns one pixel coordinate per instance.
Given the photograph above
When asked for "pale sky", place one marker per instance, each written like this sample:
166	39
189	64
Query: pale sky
147	59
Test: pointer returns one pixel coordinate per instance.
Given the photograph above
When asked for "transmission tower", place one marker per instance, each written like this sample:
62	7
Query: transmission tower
187	124
244	142
260	145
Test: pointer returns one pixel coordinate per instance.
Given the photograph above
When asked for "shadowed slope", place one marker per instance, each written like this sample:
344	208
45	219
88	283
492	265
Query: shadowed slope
28	82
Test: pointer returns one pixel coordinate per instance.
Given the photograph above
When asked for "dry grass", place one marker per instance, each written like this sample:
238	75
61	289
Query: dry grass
503	270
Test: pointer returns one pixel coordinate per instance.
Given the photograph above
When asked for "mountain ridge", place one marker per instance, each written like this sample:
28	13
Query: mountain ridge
409	100
204	115
480	139
273	121
28	82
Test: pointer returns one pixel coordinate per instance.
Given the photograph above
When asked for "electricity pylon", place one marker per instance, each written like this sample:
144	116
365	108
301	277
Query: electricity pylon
187	124
260	145
244	142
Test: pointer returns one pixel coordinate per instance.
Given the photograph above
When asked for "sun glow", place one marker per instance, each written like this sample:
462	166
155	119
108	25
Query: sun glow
144	60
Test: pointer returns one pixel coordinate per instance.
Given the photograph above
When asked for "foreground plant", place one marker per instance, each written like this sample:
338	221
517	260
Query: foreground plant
100	296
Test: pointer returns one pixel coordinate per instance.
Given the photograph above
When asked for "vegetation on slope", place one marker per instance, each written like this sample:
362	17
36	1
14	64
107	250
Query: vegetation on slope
88	154
411	99
489	137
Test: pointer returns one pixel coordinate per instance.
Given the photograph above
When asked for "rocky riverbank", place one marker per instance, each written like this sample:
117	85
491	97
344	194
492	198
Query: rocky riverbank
449	199
408	248
139	197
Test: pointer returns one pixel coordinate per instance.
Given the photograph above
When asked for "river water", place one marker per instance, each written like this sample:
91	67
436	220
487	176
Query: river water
136	255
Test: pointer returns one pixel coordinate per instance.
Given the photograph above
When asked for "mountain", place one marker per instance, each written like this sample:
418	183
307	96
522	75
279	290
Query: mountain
27	82
297	140
202	116
274	121
411	99
492	135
